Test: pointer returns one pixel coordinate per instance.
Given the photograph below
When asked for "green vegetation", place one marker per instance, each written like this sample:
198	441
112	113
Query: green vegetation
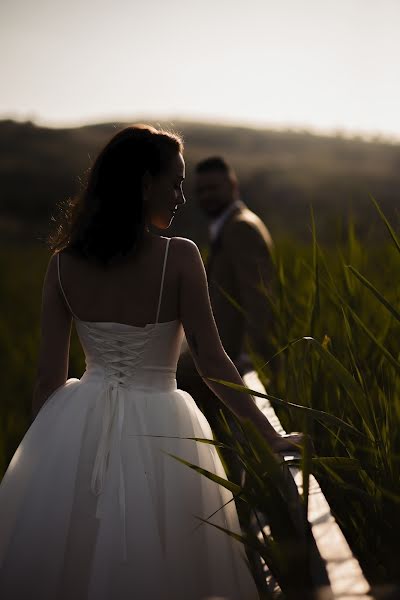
279	172
22	270
348	304
337	329
336	308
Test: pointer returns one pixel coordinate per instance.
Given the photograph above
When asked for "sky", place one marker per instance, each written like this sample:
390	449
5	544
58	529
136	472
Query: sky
323	65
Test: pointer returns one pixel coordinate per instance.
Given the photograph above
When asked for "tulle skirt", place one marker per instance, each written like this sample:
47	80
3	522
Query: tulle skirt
92	507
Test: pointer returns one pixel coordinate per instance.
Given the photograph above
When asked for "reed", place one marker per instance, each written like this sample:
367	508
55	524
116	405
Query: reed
337	326
336	315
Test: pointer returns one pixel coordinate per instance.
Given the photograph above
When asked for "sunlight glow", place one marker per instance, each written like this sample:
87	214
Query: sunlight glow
328	66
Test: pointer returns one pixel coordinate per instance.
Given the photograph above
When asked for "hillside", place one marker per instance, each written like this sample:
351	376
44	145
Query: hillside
280	173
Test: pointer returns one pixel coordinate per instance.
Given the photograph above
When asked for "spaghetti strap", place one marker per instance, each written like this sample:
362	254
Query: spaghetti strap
61	287
162	279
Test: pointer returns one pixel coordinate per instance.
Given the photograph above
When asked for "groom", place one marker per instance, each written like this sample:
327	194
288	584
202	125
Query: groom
239	257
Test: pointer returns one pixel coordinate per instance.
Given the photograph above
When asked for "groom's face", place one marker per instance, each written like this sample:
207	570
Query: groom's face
214	190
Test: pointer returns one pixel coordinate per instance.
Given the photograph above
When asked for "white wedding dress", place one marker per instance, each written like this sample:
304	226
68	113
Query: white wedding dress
93	508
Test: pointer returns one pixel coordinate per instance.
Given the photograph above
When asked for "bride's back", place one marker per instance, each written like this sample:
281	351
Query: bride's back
126	291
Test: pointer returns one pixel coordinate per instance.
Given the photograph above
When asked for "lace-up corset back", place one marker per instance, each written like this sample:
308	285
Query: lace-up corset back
127	354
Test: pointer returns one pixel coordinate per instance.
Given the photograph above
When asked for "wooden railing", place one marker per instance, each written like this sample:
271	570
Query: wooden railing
346	579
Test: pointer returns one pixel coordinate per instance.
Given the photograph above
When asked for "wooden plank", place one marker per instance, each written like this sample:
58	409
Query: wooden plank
346	578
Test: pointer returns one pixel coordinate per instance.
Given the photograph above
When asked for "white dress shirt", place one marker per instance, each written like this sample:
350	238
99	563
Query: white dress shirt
216	223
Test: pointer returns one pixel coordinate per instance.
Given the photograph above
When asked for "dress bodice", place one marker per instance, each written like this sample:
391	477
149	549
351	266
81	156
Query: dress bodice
131	356
124	357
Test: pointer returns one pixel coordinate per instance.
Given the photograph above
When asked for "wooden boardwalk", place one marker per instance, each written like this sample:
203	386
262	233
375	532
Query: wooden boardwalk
346	579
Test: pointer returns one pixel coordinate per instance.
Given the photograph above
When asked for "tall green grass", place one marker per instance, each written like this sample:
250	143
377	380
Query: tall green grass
22	270
337	329
336	314
350	369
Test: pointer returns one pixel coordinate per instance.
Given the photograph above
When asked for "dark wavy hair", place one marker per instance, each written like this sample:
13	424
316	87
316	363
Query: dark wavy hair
106	219
216	163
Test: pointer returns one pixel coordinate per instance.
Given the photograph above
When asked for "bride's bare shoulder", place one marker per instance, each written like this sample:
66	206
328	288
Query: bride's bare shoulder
186	254
182	243
185	247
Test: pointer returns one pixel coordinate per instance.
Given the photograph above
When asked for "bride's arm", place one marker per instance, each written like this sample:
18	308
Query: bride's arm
204	342
55	330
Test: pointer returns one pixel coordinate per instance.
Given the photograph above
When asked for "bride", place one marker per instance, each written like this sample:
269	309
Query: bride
92	505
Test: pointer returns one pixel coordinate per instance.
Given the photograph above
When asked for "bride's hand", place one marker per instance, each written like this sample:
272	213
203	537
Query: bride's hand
289	442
